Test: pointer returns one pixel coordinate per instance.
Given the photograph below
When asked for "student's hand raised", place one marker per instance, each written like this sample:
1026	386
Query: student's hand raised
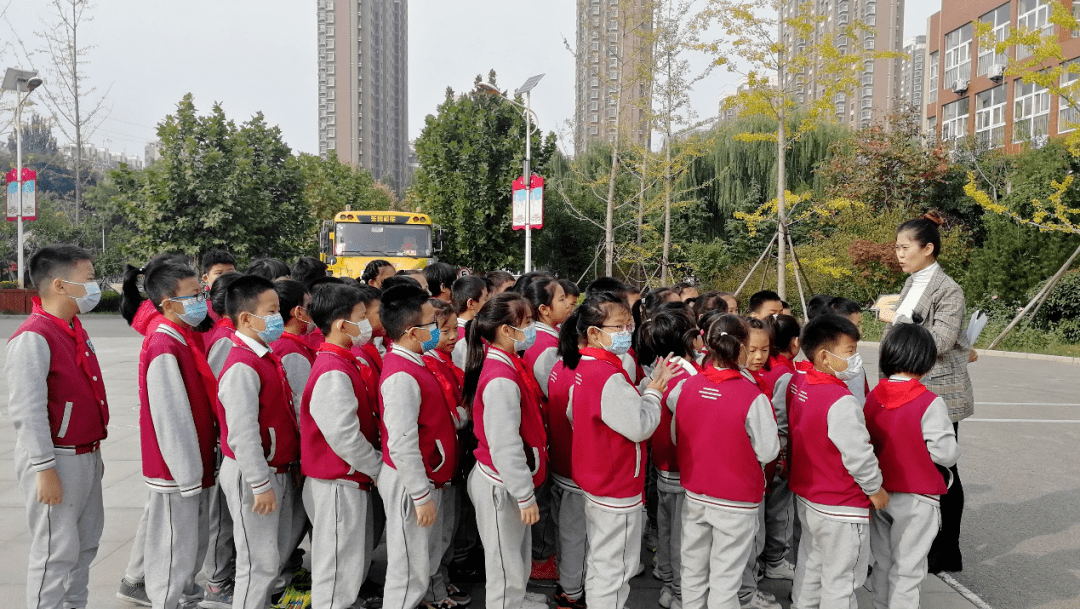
49	490
265	503
663	372
880	499
530	515
426	513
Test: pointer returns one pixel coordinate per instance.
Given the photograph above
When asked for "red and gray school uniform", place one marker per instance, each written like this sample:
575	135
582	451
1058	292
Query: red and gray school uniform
511	464
339	439
776	536
567	498
56	399
178	427
260	440
219	344
833	472
540	359
611	422
419	452
915	443
725	432
460	351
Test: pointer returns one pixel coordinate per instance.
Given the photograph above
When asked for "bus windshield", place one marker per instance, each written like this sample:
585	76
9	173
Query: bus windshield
358	239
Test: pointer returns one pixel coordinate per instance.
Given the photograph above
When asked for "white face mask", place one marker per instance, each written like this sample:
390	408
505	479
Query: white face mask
364	336
854	366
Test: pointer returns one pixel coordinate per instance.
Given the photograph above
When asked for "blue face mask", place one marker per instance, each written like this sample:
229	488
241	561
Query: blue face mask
275	327
530	337
194	310
620	342
431	343
91	299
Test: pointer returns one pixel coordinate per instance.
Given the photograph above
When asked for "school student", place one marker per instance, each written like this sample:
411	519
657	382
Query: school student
671	331
339	436
765	303
915	444
219	340
215	263
362	348
56	399
439	279
725	432
375	272
268	268
260	440
553	305
512	446
468	295
852	310
140	313
419	446
834	473
611	422
629	357
178	398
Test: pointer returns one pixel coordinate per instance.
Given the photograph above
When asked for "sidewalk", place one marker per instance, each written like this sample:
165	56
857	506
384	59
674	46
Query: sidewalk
125	495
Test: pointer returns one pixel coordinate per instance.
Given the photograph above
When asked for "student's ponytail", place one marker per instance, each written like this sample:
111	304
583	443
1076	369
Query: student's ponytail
725	338
130	297
590	313
508	308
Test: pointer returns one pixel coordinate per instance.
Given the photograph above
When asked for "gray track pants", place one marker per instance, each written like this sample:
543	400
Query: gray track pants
63	538
716	546
412	551
614	554
669	528
342	541
832	562
172	552
900	538
507	542
219	566
779	521
568	509
449	517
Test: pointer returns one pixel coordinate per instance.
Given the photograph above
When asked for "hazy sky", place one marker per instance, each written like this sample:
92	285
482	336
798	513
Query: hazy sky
253	55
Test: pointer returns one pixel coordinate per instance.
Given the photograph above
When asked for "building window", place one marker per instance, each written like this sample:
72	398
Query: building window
932	87
931	127
594	106
999	18
954	119
1031	111
990	118
957	55
1068	116
1033	15
594	118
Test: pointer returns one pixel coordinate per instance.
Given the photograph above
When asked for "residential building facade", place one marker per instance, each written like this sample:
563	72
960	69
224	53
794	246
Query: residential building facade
912	72
363	85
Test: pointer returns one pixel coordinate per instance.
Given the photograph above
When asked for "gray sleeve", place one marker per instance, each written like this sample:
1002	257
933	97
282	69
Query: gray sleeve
219	352
847	431
333	408
297	369
673	395
542	367
27	371
502	428
570	407
459	353
174	425
631	415
401	415
761	427
939	435
239	395
629	365
779	403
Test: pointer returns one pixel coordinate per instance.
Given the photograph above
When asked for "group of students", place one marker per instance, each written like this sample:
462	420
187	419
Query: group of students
282	409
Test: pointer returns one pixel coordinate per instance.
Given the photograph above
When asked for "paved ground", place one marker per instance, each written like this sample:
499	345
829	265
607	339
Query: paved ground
1020	468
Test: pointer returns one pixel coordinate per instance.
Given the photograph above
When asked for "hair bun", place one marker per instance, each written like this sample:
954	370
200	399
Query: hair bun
934	217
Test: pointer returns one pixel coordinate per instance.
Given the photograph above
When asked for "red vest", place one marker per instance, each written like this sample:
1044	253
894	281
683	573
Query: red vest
606	464
438	437
277	418
147	318
714	449
317	459
78	409
449	380
313	340
163	342
560	432
371	356
897	436
664	455
290	343
817	469
544	341
532	432
223	328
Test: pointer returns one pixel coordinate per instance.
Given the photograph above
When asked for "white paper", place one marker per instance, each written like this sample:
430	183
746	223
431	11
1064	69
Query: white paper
975	327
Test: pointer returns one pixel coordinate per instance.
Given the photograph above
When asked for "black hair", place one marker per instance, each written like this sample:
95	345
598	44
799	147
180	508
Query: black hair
925	230
331	302
469	287
53	260
372	270
307	269
682	286
219	289
709	318
160	282
762	297
402	308
500	277
818	306
725	340
242	295
349	281
766	326
710	301
443	309
402	279
733	297
592	312
527	279
290	294
130	296
606	284
439	276
541	293
508	308
785	329
844	306
215	257
268	268
570	287
673	329
368	293
825	331
321	281
907	348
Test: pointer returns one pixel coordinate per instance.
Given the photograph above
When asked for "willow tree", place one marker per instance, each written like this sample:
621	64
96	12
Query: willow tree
775	47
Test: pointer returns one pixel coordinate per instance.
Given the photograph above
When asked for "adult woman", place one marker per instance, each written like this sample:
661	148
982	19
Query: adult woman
933	300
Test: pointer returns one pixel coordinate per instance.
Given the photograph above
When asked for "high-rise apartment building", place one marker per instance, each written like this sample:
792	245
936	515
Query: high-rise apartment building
874	98
612	48
912	72
967	92
364	85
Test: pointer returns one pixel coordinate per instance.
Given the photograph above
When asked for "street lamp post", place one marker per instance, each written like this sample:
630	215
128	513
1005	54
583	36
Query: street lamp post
526	90
20	81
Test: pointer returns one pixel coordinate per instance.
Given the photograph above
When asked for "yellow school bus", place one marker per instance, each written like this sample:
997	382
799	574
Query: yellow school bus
354	238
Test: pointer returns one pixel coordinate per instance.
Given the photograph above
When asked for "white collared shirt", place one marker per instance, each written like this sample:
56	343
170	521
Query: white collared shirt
256	346
919	281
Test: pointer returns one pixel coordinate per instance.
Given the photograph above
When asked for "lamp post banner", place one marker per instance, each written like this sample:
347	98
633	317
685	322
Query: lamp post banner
536	204
29	198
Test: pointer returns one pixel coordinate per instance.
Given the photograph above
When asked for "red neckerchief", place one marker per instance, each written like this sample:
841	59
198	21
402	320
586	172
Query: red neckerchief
209	381
781	360
373	356
239	342
225	322
532	398
719	375
894	394
759	378
75	331
300	342
343	354
817	377
608	357
803	366
445	358
450	392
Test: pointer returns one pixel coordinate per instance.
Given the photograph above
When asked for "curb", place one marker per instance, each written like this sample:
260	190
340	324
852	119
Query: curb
1060	359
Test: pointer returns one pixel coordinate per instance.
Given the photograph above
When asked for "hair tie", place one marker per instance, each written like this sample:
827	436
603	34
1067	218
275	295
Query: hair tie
142	271
722	333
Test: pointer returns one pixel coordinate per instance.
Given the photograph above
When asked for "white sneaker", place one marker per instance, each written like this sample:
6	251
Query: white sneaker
528	604
666	597
760	600
536	597
781	570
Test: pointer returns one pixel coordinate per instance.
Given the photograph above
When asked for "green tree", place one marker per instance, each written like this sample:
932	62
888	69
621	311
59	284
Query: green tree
470	151
330	185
